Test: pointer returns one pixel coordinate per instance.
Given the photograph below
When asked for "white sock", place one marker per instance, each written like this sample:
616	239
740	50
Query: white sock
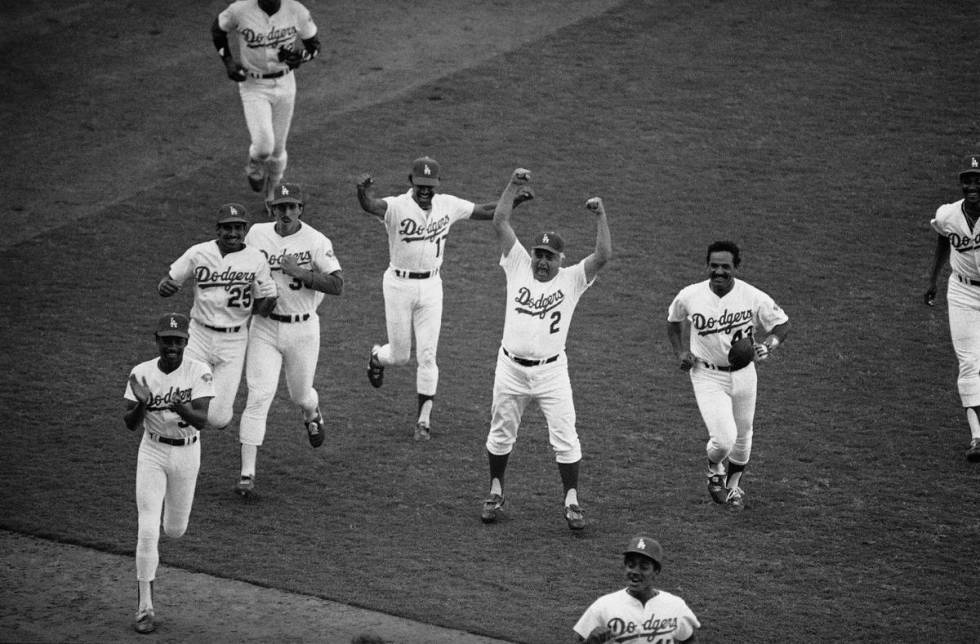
571	497
249	454
424	412
146	595
496	488
973	421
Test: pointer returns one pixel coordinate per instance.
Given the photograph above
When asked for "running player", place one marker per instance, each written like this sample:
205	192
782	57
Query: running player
274	38
531	363
168	397
304	267
230	281
418	224
720	311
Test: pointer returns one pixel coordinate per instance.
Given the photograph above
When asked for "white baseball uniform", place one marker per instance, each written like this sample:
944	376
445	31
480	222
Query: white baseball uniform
963	296
665	618
290	336
531	362
412	286
219	316
726	399
166	474
269	93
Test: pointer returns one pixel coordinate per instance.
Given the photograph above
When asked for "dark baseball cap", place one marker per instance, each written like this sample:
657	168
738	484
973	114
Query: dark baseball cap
970	165
173	324
425	171
286	193
549	240
231	213
649	548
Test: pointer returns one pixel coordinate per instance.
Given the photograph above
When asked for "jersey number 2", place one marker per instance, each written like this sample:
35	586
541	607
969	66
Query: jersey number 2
555	319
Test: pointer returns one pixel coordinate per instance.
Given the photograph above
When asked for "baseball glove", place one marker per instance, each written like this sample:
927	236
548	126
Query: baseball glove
293	56
741	353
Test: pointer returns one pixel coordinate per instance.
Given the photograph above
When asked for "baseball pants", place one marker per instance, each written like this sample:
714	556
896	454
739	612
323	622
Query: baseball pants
964	331
726	401
514	386
225	354
166	476
268	104
413	305
273	346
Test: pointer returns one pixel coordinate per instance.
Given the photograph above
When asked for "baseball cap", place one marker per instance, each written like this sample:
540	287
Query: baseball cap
286	193
425	171
230	213
971	164
641	545
549	240
173	324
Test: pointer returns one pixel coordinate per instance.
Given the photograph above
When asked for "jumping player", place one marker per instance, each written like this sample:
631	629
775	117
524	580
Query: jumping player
956	226
268	31
304	267
720	311
418	224
640	612
168	397
531	363
230	281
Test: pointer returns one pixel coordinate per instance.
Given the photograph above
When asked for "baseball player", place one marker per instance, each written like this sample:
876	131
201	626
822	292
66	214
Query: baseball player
304	267
531	362
639	612
418	223
956	226
718	312
168	397
274	38
230	281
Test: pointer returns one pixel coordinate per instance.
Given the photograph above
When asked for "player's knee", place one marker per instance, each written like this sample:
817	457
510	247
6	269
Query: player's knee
400	356
500	445
175	530
722	445
569	454
220	420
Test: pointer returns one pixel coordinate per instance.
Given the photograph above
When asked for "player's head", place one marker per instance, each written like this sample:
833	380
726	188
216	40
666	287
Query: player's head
286	205
231	226
723	258
547	254
642	560
424	179
171	336
970	179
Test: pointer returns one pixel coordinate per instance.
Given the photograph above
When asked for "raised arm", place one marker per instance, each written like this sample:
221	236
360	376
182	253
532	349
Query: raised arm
506	236
603	241
365	196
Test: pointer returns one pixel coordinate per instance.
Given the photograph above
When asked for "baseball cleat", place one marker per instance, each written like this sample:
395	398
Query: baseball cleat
376	370
575	517
973	454
716	488
490	508
246	484
314	430
735	499
145	622
422	432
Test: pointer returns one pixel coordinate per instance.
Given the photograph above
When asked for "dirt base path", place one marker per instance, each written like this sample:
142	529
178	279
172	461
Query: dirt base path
52	592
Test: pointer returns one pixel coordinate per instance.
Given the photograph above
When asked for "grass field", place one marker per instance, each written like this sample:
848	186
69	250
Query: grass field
819	135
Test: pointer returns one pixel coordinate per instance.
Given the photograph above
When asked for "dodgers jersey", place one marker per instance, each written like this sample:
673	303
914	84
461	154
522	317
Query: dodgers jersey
311	248
190	381
716	322
417	238
223	283
665	618
964	242
261	35
539	313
